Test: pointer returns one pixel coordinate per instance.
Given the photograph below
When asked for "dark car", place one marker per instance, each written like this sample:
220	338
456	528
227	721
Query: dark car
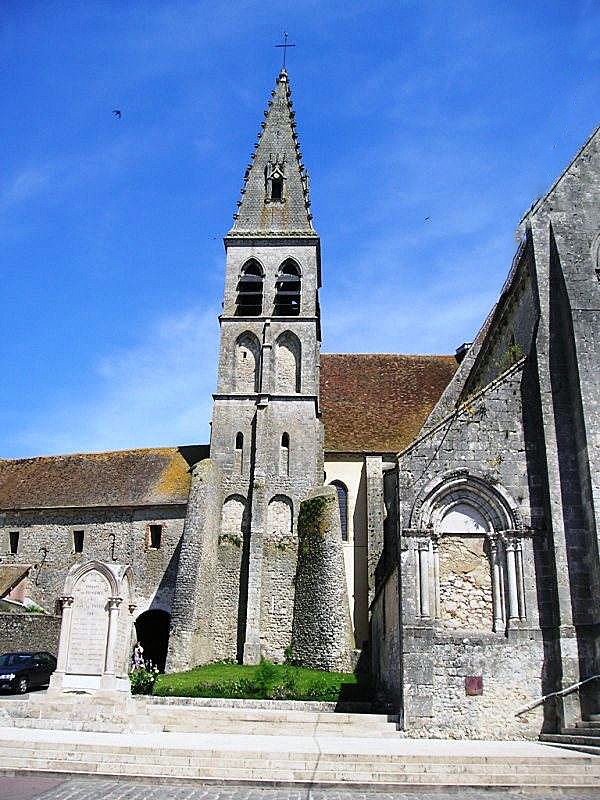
21	671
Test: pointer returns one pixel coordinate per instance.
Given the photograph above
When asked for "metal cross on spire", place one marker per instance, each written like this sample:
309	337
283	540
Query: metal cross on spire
285	46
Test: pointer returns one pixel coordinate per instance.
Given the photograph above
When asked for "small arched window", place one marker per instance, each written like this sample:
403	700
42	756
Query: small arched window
239	453
250	290
284	455
287	290
342	493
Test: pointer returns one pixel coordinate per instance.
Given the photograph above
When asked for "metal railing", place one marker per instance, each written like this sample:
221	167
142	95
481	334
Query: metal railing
561	693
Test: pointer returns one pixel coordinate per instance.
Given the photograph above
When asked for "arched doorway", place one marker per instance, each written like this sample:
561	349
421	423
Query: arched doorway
152	631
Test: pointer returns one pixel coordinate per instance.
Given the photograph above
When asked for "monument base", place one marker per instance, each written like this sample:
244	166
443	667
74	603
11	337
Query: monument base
72	683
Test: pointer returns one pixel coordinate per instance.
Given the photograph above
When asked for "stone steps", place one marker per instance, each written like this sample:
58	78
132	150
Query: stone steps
583	736
313	706
205	726
232	768
190	718
580	748
330	762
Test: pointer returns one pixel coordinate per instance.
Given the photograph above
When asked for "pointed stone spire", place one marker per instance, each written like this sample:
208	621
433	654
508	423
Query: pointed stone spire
275	198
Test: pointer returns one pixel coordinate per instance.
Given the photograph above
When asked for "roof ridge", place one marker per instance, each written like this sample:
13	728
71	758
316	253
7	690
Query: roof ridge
402	355
537	203
49	456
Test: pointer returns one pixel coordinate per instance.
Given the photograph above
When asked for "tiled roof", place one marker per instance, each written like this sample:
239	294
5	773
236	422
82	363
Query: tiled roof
379	402
123	478
10	575
370	403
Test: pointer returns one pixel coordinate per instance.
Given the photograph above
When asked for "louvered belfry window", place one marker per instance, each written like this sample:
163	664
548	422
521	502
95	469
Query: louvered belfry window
250	290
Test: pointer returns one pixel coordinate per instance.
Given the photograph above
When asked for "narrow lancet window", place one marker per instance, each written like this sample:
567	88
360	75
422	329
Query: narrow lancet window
13	540
250	290
287	290
342	493
155	537
78	541
284	455
239	453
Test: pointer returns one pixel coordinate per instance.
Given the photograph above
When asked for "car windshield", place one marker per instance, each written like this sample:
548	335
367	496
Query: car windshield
13	659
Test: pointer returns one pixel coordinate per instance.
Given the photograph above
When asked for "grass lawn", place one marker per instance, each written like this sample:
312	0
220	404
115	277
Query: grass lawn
266	680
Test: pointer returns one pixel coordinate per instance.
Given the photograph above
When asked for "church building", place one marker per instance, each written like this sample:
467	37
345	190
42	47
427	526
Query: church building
467	515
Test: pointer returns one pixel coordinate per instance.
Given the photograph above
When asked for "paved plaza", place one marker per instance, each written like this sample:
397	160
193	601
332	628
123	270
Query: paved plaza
27	787
76	788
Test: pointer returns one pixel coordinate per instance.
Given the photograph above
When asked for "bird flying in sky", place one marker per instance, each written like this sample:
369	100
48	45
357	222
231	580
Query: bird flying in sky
117	113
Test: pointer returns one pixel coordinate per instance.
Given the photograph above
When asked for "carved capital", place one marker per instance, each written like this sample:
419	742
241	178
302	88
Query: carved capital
509	540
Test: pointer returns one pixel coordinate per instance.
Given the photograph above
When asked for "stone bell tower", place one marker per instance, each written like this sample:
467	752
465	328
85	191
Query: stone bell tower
266	448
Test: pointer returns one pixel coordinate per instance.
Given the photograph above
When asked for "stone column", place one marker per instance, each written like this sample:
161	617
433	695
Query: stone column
513	589
66	602
423	548
496	586
111	639
435	542
520	580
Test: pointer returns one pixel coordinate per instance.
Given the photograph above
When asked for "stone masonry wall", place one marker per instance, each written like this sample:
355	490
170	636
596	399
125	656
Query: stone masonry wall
225	611
29	631
385	643
465	584
280	557
485	438
436	703
110	534
512	335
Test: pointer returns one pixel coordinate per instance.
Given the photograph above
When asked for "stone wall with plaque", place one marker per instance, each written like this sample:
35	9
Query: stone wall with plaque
96	629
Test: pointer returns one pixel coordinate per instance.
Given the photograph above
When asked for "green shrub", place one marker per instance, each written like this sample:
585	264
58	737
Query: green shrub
142	680
265	676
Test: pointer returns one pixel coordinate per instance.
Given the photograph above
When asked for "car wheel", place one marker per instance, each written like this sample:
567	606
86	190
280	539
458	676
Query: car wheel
22	685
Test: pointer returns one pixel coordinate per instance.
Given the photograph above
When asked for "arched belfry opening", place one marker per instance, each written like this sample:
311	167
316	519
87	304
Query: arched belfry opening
287	290
250	290
152	632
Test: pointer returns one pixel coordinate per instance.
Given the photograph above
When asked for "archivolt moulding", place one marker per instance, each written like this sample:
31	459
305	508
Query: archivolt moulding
441	494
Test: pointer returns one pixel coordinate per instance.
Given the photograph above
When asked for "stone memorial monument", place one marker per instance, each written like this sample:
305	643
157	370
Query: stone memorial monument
96	630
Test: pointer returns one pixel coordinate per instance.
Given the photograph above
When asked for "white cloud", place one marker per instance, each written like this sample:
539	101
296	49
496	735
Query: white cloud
156	393
26	184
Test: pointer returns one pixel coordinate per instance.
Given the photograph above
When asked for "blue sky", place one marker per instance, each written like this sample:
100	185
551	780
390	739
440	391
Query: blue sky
111	254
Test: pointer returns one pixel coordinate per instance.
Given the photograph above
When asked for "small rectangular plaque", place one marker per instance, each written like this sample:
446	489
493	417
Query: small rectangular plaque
473	685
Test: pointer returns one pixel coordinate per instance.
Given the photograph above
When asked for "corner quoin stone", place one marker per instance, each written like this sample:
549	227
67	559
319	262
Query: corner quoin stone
321	629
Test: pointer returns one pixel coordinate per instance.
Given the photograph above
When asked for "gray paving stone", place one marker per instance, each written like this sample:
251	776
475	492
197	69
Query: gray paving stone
51	788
